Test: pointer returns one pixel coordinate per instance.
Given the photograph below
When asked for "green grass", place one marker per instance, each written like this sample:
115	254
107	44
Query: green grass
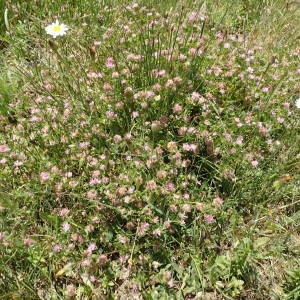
151	152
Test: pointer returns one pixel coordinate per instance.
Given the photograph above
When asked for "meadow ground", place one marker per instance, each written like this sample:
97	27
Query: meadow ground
149	149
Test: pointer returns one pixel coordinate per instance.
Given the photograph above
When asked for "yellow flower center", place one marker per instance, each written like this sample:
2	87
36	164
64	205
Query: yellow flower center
56	28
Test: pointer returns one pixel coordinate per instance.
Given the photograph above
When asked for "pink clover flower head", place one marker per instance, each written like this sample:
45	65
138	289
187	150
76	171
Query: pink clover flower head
111	114
157	232
254	163
239	140
123	239
209	219
66	226
28	242
44	176
102	259
135	114
280	120
218	201
4	148
94	181
70	290
151	185
57	248
63	212
195	96
92	247
110	63
177	108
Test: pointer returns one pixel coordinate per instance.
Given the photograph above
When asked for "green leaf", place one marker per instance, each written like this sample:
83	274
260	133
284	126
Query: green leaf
260	242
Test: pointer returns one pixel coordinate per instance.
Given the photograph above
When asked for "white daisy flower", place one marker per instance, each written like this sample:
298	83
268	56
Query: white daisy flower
297	103
56	29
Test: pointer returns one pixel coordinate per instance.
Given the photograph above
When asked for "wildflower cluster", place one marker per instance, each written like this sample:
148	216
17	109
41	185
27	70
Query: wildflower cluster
137	144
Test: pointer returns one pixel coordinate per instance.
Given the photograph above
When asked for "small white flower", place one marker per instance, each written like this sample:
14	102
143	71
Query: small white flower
297	103
56	29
